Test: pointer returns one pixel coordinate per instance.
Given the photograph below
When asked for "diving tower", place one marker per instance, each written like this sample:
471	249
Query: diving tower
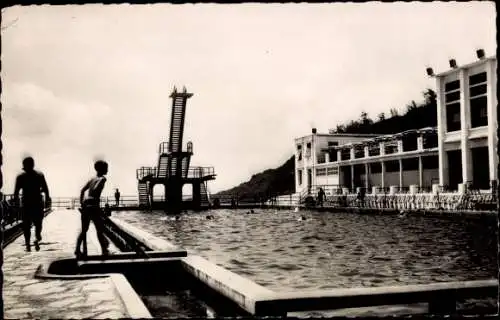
173	170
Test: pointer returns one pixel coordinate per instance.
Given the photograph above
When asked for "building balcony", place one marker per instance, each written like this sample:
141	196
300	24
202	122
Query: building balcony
401	145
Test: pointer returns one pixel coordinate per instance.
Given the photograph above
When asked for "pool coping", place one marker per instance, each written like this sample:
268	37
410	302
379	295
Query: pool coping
131	301
243	291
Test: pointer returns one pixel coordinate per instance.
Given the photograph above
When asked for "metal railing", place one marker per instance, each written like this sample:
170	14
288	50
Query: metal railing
193	172
10	213
400	198
144	172
124	201
163	148
200	172
11	217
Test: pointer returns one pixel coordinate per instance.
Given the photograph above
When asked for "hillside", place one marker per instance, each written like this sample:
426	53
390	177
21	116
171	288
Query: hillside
270	182
281	180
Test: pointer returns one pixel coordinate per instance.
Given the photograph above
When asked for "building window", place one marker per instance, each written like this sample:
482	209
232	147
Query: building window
391	166
373	149
321	158
430	162
332	171
375	167
320	172
478	100
308	150
359	152
333	143
452	104
299	174
477	78
333	155
358	170
479	112
453	85
391	147
410	143
410	164
430	140
345	154
453	117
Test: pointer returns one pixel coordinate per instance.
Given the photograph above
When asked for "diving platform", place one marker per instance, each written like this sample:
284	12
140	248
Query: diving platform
174	170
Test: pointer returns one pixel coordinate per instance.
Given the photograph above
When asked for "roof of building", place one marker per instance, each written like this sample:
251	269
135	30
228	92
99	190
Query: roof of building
386	137
340	135
466	66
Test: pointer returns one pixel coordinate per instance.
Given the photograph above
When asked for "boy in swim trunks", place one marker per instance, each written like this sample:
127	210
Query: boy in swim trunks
90	209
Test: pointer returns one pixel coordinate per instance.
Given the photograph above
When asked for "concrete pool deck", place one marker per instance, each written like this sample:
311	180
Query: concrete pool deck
27	297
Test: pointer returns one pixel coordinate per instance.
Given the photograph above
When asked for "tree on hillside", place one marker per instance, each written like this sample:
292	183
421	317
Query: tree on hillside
394	112
365	120
381	117
411	106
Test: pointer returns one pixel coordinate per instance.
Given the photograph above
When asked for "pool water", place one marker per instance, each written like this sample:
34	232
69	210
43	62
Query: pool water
307	250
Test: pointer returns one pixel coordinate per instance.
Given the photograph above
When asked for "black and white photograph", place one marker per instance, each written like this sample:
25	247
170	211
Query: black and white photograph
227	160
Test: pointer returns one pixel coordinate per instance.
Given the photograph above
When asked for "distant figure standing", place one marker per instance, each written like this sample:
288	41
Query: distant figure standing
321	196
32	183
117	197
90	208
361	196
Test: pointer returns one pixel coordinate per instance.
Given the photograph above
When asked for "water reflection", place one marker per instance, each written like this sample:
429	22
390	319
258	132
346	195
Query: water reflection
281	251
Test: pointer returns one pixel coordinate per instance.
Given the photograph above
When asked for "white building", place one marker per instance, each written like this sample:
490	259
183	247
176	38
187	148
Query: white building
467	124
460	151
312	159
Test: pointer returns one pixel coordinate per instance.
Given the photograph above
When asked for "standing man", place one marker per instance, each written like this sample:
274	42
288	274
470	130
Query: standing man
321	196
117	197
32	183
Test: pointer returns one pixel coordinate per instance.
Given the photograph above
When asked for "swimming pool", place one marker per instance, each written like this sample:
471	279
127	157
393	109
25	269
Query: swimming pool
281	251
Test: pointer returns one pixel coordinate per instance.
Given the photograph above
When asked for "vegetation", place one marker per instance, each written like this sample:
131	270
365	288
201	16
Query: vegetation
281	180
268	183
416	116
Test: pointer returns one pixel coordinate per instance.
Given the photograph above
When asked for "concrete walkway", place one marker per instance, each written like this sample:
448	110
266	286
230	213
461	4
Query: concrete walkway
26	297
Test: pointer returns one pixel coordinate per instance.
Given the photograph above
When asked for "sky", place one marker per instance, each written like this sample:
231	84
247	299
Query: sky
87	82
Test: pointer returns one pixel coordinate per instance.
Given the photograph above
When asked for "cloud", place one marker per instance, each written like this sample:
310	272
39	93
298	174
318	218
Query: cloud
63	136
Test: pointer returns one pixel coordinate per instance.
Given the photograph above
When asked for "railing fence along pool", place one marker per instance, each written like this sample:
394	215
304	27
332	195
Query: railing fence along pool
471	201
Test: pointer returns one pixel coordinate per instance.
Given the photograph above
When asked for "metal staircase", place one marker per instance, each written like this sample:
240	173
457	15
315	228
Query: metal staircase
185	166
143	194
162	166
204	196
162	171
179	101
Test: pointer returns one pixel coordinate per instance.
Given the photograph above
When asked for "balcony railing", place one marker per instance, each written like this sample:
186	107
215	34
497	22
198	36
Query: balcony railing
163	148
145	171
200	172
